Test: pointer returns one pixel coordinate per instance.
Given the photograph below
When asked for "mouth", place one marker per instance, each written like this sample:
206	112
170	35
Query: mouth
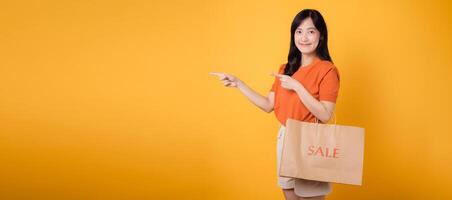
307	44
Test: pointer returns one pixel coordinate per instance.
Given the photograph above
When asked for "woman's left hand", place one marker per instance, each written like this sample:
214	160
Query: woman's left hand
288	82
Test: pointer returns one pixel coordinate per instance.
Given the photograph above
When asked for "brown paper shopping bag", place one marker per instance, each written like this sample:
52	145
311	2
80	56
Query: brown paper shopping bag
323	152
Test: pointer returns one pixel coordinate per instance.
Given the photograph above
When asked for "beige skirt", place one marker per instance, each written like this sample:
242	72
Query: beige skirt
302	187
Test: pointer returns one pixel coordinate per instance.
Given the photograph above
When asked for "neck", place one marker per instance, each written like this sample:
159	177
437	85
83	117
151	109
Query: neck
307	59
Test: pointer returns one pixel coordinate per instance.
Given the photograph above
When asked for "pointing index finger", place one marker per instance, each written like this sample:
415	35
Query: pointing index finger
220	75
215	73
277	75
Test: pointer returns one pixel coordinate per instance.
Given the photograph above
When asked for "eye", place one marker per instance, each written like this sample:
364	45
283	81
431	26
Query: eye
298	31
311	32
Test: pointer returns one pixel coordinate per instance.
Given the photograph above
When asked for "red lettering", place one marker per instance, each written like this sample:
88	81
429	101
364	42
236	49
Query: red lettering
310	150
335	152
319	151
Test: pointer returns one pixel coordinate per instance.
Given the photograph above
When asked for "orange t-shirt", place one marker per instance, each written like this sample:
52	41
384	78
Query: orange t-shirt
320	78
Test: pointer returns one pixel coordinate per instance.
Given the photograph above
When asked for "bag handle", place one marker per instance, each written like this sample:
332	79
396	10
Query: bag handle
317	123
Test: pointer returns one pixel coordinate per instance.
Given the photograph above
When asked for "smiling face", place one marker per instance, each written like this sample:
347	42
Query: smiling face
307	37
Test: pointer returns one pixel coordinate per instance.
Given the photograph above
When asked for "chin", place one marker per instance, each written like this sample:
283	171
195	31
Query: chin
307	51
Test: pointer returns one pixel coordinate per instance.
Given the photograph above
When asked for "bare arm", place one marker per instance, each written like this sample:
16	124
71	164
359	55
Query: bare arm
320	109
262	102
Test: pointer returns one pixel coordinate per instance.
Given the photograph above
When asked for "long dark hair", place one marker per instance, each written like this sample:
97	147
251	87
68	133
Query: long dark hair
294	57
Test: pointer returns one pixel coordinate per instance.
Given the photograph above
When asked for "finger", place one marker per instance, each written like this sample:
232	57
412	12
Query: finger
277	75
219	74
227	77
215	73
222	76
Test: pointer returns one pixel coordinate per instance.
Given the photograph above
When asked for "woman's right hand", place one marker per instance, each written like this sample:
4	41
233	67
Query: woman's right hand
228	79
264	103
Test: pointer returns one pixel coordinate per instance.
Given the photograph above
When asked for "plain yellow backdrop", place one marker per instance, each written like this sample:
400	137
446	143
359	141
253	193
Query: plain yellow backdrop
112	99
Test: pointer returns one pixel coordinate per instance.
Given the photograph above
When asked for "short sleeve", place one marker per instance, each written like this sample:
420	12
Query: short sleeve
276	82
329	86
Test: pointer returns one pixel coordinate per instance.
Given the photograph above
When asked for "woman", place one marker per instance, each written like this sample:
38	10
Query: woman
305	88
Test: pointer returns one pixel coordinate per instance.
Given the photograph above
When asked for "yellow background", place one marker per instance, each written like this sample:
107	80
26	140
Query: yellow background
112	99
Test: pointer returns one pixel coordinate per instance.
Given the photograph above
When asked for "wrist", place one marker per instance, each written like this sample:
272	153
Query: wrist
240	83
299	89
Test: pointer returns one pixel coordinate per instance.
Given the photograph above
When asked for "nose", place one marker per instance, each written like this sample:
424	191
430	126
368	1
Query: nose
304	38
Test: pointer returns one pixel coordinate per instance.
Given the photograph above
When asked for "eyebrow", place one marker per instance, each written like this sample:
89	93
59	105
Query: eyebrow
307	28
